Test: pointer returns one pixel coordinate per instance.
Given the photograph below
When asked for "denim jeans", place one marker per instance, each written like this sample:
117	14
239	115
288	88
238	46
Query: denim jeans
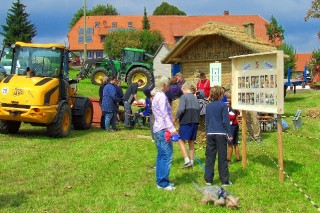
110	118
128	110
164	159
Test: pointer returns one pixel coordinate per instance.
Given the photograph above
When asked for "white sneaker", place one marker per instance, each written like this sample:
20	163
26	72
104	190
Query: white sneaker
168	188
227	183
208	184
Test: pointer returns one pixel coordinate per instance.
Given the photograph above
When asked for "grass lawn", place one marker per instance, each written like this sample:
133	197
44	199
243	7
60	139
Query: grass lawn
95	171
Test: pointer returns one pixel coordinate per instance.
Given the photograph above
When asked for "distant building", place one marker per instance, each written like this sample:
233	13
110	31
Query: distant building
173	28
159	68
302	61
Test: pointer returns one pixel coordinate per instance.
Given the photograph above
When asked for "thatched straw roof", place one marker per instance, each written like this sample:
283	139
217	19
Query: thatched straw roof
231	32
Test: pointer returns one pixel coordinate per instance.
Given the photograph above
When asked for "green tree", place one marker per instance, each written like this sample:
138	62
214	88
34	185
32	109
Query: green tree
150	41
102	10
116	41
145	21
18	27
290	61
98	10
76	17
314	12
274	31
145	39
168	9
314	63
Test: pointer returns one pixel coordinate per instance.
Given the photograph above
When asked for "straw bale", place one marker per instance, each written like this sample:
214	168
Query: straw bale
314	112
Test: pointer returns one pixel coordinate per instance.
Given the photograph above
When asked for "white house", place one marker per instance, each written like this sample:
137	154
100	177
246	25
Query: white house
159	68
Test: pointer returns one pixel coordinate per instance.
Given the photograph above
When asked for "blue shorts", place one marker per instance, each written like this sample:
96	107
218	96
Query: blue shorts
188	131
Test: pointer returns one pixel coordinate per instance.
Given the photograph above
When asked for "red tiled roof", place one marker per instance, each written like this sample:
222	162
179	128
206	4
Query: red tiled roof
169	26
302	60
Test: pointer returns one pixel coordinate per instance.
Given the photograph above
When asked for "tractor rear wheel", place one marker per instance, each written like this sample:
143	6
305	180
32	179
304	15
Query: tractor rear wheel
97	75
61	127
9	127
84	121
140	73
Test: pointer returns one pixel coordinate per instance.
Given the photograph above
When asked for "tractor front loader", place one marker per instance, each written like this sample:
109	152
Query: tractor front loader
40	92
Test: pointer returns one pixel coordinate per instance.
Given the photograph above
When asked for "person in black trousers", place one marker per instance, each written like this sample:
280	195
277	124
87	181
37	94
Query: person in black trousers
218	132
104	81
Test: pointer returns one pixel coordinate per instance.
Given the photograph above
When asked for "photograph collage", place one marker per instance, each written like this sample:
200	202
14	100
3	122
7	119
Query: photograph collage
257	90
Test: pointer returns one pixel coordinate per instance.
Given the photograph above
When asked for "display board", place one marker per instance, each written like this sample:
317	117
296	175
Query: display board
257	82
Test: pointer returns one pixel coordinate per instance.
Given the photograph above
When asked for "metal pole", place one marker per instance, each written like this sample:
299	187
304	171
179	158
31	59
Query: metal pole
85	31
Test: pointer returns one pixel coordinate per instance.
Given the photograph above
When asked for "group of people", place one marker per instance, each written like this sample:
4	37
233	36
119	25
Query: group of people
221	131
111	97
220	120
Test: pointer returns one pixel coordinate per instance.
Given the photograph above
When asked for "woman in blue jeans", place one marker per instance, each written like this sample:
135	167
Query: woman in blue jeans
163	121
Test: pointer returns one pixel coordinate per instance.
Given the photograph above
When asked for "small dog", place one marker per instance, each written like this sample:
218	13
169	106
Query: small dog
218	195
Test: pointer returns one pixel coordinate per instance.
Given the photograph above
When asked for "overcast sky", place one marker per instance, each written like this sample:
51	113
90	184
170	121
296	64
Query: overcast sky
52	17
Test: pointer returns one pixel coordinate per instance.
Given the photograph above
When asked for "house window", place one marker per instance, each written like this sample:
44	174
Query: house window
177	38
99	54
96	24
102	38
130	24
90	54
81	35
114	24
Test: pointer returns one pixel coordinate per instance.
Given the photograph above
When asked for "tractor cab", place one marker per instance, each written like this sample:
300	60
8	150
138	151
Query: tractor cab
132	55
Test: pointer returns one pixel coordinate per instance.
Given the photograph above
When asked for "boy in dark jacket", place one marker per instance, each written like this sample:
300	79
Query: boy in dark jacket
218	132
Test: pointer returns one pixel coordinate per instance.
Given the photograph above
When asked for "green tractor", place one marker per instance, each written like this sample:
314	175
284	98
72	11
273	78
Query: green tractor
132	67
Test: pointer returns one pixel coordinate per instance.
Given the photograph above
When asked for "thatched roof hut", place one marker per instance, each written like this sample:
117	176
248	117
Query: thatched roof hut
214	42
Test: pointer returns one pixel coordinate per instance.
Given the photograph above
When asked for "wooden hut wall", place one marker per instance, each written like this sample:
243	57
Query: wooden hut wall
189	69
208	50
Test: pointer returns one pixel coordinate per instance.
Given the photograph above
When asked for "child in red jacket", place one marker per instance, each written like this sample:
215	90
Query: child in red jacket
234	125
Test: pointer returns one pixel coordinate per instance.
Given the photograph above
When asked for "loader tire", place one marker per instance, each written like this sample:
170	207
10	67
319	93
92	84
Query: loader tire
83	122
61	127
9	127
140	73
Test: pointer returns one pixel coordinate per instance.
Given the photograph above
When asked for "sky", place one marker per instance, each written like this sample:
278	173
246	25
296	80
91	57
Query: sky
52	17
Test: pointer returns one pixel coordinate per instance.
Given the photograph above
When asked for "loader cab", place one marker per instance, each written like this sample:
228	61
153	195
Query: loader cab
44	60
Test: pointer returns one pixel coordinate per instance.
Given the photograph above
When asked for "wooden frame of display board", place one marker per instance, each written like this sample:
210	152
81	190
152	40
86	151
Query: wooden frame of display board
257	85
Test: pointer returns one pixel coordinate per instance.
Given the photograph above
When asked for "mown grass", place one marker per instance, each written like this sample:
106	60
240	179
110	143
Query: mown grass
95	171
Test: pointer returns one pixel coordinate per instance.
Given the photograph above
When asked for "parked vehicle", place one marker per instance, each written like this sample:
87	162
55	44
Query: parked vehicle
39	93
133	66
301	78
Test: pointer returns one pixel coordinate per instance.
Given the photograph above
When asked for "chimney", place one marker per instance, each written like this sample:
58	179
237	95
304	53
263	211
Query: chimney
226	12
249	29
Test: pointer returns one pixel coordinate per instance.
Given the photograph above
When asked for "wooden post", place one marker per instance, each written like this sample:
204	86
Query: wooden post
244	139
280	148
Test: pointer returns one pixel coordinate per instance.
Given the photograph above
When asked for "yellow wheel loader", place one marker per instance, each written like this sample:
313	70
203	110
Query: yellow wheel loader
40	92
